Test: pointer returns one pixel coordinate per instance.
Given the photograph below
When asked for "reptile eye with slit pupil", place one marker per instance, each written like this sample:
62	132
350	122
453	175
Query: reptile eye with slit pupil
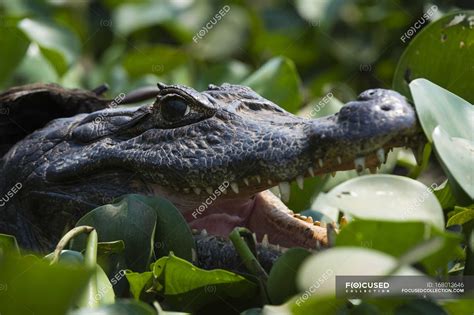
173	109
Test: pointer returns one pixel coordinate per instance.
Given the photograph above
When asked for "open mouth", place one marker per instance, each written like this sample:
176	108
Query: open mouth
247	203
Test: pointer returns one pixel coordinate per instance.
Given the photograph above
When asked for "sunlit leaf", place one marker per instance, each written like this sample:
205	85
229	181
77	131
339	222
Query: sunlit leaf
320	271
461	215
179	282
457	157
437	106
388	198
58	45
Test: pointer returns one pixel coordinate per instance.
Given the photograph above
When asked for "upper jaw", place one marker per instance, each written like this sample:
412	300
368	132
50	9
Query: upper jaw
357	137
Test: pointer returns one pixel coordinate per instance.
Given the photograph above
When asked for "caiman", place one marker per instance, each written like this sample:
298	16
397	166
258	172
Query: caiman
213	154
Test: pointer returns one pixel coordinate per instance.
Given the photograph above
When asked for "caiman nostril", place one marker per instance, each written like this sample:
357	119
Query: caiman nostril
386	107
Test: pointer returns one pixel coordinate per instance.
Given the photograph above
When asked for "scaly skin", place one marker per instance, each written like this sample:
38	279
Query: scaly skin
227	136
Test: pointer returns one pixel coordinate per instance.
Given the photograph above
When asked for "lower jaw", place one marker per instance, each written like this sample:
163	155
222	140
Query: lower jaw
265	215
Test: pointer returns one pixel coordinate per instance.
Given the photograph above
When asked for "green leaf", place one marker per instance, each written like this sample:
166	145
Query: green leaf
134	16
231	72
107	248
226	38
130	220
91	293
58	45
420	307
35	67
377	234
445	195
278	81
461	306
71	257
30	285
139	282
157	59
442	54
436	106
281	280
181	282
9	244
318	273
172	233
321	13
14	45
461	216
387	198
457	158
122	307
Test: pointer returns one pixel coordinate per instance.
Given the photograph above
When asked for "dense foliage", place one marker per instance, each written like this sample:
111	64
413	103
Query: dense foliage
307	56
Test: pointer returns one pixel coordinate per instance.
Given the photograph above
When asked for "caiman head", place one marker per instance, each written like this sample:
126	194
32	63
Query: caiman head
215	153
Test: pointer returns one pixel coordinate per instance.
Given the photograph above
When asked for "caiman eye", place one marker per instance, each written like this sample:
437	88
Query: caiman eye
173	109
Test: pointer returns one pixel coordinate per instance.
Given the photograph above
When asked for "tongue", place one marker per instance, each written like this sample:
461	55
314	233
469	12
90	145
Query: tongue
222	216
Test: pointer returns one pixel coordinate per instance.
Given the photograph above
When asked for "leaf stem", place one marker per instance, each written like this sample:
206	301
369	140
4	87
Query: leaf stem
67	238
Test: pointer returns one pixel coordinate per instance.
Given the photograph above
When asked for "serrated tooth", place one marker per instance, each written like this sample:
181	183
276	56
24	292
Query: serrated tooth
359	164
339	160
309	220
209	190
380	155
320	162
235	187
197	190
317	223
246	181
284	191
311	171
254	236
258	179
204	232
224	191
265	241
343	221
269	182
303	217
300	181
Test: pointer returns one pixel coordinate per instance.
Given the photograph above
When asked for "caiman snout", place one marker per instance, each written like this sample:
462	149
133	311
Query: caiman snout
377	121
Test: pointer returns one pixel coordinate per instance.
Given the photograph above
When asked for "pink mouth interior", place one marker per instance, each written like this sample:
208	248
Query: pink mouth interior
222	216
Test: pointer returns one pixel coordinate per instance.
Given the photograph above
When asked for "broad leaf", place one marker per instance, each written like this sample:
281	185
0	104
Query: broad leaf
281	280
130	220
377	234
58	45
436	106
30	285
278	81
442	53
457	158
387	198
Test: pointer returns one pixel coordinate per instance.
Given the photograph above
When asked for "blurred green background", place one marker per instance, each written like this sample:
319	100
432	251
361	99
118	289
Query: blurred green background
342	47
